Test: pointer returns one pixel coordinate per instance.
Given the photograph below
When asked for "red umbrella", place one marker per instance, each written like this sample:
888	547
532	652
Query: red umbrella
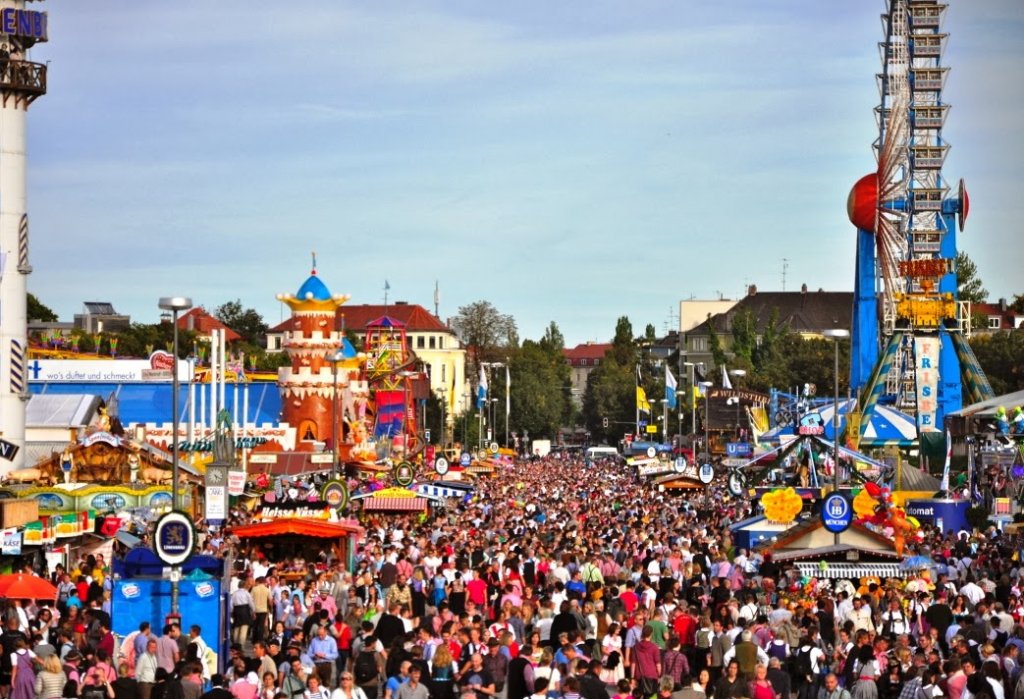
21	586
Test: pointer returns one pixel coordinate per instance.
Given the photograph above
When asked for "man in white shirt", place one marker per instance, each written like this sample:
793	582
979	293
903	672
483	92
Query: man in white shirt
860	615
972	592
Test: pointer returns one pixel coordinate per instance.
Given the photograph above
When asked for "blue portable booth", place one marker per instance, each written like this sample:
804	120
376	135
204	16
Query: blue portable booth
141	592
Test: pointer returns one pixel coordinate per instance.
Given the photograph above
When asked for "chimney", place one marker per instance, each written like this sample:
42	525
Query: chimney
803	288
752	290
1002	305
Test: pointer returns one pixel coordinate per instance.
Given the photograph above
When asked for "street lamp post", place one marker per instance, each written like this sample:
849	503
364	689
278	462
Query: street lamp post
693	402
441	394
664	420
335	359
835	334
738	374
175	304
707	420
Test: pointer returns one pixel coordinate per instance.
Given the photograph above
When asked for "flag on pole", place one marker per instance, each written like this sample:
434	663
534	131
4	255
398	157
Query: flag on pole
944	486
481	390
642	404
508	392
726	383
670	387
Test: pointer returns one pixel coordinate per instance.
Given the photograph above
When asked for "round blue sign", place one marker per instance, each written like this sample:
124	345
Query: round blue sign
465	459
836	513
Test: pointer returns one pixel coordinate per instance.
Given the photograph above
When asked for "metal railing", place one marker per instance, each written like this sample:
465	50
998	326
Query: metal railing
26	79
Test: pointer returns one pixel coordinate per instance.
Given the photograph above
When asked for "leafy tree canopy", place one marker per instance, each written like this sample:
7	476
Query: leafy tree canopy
37	310
247	322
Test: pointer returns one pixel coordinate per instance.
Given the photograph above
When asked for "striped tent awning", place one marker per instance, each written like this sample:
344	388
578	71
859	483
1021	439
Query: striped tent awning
851	571
394	504
440	491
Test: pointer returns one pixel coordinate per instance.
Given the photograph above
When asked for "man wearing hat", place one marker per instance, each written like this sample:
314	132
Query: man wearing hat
496	664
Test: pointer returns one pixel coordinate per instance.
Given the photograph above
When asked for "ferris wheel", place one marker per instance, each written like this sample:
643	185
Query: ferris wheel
909	329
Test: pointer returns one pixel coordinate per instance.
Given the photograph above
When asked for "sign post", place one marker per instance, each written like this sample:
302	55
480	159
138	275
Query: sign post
174	538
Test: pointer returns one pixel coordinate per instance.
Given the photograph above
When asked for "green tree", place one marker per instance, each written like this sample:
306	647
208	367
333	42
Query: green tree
744	338
37	310
969	286
715	344
611	394
623	349
485	331
804	361
1001	356
540	394
247	322
553	345
611	387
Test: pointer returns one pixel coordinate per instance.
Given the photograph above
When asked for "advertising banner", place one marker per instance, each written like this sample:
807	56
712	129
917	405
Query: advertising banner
926	360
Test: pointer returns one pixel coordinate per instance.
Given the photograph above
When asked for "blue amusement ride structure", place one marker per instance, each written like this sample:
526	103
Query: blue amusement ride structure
909	349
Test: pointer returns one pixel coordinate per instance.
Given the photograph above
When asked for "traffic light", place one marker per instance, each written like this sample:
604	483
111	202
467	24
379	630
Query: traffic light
604	422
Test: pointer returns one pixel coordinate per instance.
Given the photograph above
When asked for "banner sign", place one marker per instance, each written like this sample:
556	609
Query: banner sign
302	510
236	482
656	468
10	542
216	503
926	359
27	23
155	369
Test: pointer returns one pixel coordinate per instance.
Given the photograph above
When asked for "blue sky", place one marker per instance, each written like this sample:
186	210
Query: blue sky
571	161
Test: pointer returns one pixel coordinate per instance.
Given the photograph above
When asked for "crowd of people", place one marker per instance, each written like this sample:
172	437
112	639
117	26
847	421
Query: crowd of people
556	579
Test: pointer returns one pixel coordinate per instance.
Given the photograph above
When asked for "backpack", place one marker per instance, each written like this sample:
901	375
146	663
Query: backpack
365	668
803	663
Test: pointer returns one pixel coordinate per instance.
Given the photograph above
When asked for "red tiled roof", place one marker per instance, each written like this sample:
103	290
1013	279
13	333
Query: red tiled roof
202	322
587	350
282	327
415	317
1007	316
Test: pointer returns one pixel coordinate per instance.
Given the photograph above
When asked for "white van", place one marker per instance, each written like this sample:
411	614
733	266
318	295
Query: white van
600	453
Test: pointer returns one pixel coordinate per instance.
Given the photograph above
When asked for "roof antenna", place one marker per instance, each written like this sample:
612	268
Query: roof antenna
437	300
785	266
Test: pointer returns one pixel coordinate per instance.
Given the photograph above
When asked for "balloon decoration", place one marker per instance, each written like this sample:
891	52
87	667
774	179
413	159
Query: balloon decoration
874	508
782	505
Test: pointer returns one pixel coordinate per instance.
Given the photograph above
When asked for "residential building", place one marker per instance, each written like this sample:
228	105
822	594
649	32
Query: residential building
200	321
998	316
99	317
804	312
434	343
693	312
582	360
